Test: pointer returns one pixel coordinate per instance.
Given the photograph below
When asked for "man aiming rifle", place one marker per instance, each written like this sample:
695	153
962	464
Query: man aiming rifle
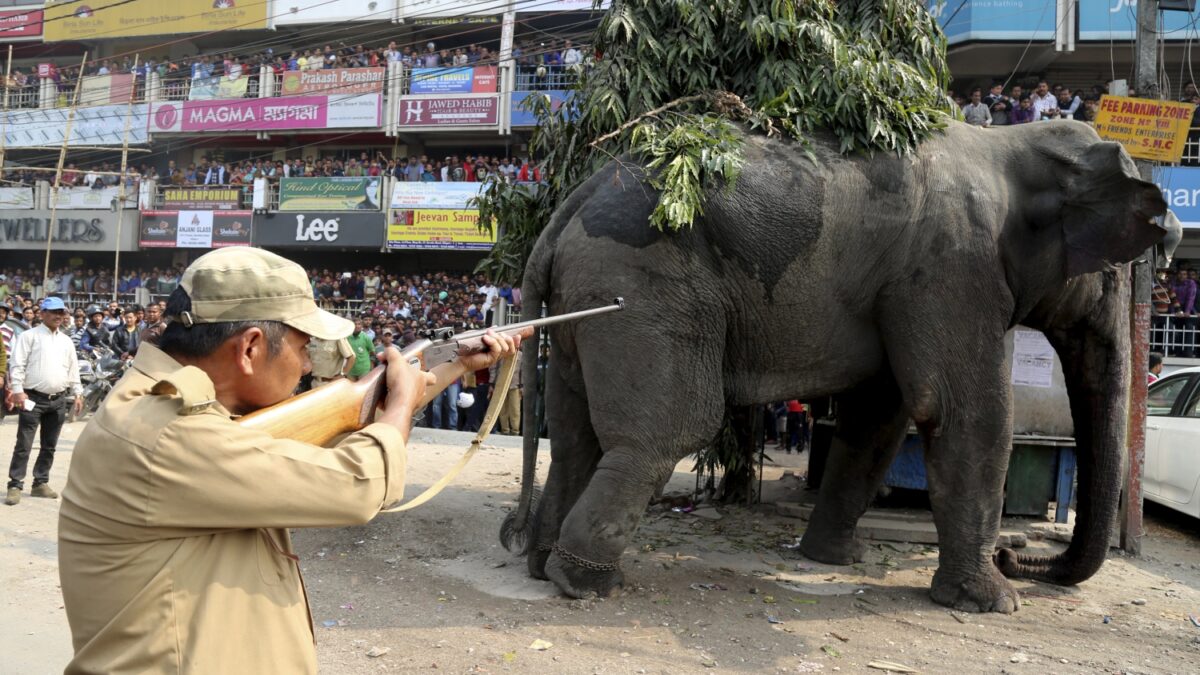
173	550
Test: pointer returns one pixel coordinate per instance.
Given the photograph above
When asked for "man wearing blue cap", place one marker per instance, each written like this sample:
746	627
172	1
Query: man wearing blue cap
43	381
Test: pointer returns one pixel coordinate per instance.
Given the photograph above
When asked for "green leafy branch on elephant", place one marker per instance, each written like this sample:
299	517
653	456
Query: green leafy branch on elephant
872	73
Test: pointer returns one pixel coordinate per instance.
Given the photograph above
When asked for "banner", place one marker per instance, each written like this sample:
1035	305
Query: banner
338	229
20	24
104	89
1180	186
449	111
268	114
217	86
80	197
95	125
16	198
97	19
475	80
334	81
73	231
438	228
329	194
195	229
202	198
1148	129
417	195
521	117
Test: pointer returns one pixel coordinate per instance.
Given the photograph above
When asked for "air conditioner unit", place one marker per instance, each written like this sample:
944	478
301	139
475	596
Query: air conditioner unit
1177	5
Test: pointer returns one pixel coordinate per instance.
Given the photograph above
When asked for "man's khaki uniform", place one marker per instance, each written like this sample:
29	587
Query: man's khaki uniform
173	555
510	414
328	358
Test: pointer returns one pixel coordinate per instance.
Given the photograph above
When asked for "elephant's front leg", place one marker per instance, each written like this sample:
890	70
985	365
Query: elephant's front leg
871	422
585	561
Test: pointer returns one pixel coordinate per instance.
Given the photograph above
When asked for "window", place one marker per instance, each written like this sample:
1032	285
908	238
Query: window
1162	395
1193	407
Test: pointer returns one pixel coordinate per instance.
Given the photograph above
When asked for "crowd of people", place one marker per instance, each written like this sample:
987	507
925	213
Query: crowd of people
1039	101
1174	303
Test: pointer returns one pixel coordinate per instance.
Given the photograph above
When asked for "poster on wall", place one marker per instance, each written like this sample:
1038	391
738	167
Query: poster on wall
438	229
334	193
195	229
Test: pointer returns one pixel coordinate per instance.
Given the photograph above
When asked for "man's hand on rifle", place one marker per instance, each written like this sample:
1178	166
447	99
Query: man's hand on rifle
406	386
500	346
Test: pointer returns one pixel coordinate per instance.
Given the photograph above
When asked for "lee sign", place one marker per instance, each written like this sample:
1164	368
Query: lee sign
320	229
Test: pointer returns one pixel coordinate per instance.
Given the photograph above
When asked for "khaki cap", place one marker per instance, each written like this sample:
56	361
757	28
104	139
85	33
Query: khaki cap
241	283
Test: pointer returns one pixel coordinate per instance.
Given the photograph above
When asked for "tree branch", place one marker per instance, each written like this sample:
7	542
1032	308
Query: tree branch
649	113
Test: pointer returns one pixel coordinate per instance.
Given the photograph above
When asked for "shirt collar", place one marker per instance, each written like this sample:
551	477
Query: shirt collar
194	387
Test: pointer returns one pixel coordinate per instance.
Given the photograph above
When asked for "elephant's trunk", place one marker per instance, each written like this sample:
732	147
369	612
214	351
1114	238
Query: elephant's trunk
1095	358
517	529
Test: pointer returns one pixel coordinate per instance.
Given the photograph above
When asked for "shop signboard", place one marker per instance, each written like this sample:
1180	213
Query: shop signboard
334	81
16	198
995	20
195	229
73	230
202	198
1146	128
93	125
1115	19
417	195
438	229
449	111
320	229
97	19
464	80
1180	186
20	24
340	193
268	114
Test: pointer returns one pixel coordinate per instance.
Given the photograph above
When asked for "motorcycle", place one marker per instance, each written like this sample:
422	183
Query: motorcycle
98	373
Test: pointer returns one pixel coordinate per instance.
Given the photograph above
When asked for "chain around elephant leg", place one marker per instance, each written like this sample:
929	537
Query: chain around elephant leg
584	562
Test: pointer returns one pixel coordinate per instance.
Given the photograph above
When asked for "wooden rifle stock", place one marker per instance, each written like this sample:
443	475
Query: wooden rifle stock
343	406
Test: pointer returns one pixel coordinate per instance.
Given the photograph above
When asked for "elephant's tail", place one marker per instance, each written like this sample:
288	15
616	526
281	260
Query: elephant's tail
517	529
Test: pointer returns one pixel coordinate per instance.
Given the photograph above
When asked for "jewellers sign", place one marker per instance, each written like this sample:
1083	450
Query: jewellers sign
72	231
320	229
449	111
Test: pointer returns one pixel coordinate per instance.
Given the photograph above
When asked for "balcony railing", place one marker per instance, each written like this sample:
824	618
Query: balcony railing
543	78
1175	335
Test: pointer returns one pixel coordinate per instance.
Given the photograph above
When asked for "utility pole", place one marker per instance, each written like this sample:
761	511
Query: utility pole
62	157
1142	272
121	179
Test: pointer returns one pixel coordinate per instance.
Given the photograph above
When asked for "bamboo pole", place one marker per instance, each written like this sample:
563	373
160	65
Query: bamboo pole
62	157
121	177
4	115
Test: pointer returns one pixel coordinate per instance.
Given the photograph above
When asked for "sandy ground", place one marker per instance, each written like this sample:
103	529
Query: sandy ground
711	591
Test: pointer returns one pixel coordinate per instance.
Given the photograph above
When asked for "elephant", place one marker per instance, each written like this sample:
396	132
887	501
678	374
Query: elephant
886	282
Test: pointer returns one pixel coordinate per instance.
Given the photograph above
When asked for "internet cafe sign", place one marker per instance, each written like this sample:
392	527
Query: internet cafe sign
342	193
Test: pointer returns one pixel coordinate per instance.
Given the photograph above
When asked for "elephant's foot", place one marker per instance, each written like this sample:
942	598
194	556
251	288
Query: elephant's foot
536	561
986	591
844	549
582	578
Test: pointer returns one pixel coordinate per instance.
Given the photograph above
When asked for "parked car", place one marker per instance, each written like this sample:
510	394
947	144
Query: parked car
1171	475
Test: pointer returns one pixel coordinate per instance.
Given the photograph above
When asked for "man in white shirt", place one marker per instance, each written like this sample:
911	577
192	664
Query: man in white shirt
1045	105
43	381
570	55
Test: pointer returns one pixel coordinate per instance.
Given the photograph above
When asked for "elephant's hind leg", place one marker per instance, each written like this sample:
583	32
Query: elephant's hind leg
574	452
871	421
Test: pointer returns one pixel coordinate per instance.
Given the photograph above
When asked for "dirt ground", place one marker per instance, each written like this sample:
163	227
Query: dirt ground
432	590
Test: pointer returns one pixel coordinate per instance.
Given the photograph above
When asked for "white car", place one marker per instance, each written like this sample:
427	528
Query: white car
1171	476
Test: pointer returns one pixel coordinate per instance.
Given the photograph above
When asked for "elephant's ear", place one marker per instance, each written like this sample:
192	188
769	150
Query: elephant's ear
1110	216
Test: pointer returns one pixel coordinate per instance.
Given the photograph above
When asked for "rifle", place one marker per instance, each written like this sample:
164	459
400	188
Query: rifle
343	406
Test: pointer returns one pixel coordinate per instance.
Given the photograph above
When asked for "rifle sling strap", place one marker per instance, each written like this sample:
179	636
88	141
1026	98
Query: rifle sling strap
489	421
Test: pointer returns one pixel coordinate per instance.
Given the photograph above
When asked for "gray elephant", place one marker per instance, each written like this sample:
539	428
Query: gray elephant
887	282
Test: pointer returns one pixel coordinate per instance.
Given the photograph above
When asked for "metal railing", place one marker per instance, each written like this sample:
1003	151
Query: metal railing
541	78
1175	335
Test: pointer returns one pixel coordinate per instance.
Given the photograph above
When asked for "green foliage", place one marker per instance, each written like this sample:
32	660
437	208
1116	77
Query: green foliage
870	72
